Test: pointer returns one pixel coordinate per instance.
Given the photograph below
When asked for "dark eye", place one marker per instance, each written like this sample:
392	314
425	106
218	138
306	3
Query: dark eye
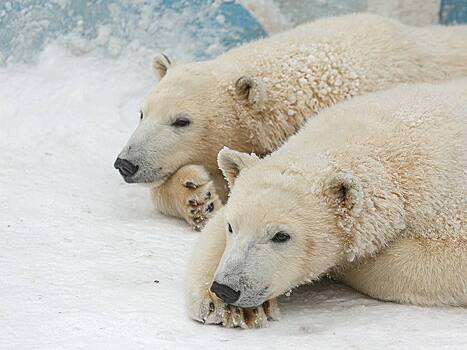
181	122
140	115
230	229
280	237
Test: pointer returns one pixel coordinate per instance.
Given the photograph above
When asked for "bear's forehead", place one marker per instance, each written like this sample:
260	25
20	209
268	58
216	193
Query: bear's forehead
167	101
266	183
188	74
167	91
262	207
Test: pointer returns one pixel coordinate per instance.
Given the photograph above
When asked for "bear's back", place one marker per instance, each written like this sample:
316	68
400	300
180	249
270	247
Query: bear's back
413	135
432	116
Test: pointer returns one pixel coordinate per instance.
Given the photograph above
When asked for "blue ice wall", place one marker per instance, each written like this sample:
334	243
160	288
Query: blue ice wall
453	12
198	28
189	29
299	11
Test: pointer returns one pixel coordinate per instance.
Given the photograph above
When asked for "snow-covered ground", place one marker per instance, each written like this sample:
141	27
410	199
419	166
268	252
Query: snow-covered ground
86	262
81	250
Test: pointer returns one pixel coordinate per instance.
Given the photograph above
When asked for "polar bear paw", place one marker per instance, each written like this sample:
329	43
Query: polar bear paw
201	201
214	311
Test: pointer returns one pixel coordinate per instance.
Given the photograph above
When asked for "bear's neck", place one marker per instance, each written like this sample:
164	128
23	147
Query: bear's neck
264	131
382	218
298	85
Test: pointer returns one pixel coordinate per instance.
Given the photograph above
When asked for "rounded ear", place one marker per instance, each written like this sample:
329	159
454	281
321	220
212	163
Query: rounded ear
160	64
232	162
348	191
252	89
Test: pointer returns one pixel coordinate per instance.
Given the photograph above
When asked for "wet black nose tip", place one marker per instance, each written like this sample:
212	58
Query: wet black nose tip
225	293
125	167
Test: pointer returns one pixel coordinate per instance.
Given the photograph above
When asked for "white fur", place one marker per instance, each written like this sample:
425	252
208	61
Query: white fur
372	190
254	97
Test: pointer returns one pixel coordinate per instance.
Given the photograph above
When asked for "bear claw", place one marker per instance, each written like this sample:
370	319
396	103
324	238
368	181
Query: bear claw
216	312
190	184
201	205
210	207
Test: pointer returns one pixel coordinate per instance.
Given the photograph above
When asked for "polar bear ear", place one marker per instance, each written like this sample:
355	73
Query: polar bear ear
252	89
232	162
160	64
347	190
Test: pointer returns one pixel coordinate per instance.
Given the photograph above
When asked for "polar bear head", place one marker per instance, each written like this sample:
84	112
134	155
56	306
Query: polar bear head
186	119
281	229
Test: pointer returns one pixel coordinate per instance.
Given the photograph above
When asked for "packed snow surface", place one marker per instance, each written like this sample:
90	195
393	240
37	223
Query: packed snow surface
86	262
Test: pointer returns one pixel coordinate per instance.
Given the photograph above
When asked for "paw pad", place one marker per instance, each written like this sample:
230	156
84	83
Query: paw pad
210	207
190	184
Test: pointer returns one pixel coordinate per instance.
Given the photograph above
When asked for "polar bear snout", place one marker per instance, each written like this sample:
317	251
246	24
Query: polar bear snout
239	289
137	167
125	168
225	293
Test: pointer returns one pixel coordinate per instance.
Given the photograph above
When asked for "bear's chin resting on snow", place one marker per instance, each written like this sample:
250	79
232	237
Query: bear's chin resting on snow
372	191
254	97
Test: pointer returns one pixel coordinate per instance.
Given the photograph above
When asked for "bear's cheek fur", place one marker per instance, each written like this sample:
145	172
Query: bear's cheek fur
316	248
290	267
169	148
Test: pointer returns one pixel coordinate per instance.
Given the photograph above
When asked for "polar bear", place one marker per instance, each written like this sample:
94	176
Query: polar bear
372	191
254	97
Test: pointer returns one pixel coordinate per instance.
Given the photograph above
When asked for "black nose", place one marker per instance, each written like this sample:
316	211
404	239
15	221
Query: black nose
125	167
225	293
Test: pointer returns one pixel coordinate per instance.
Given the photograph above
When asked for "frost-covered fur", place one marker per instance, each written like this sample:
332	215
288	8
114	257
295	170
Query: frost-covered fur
372	190
254	97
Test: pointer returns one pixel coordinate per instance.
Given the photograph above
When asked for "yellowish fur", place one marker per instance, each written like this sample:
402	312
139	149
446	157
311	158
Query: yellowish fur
254	97
373	191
